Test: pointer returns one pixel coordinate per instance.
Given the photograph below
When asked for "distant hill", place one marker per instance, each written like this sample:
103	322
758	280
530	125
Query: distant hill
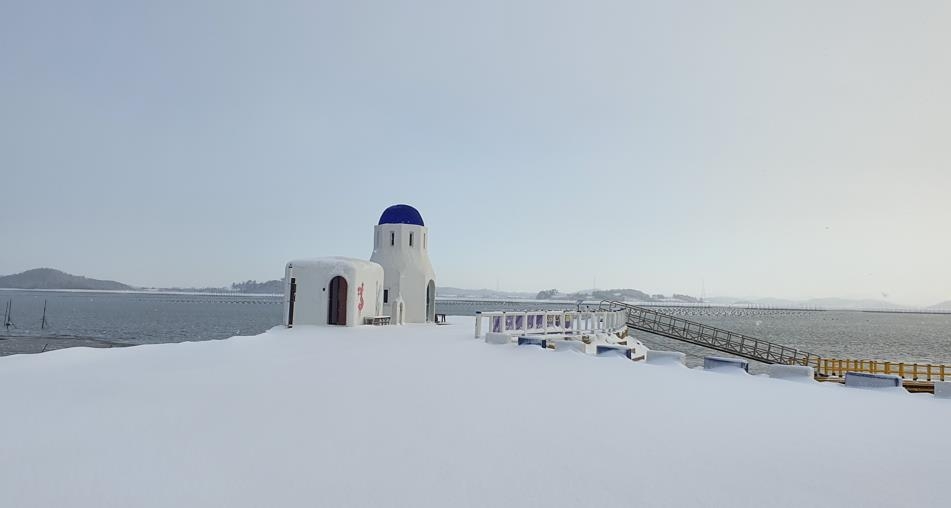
846	303
451	292
553	294
827	303
634	295
48	278
942	305
253	286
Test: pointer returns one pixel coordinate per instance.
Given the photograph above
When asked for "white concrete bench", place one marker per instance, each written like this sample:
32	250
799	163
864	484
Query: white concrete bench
530	340
497	338
666	357
611	349
791	372
720	362
568	345
866	380
377	320
942	389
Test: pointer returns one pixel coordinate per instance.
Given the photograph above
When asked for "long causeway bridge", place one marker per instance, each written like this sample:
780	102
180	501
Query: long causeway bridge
917	377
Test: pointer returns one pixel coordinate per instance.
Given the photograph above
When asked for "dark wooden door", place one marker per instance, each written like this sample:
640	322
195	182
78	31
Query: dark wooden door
337	301
292	298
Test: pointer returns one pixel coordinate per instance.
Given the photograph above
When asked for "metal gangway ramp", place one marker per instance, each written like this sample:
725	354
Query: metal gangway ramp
677	328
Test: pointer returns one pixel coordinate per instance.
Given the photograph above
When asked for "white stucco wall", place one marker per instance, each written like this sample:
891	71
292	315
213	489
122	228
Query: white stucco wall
407	268
313	278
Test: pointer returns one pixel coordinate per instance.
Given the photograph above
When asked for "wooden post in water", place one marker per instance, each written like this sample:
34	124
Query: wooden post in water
8	316
43	323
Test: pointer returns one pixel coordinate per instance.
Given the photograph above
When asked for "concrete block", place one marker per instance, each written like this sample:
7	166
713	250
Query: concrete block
864	380
589	348
497	338
528	340
567	345
942	389
791	372
666	357
719	362
611	350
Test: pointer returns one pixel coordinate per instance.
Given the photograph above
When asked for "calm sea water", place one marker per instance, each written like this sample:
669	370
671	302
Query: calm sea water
130	319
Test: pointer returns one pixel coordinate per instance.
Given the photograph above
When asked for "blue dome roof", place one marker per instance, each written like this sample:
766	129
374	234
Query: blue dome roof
401	214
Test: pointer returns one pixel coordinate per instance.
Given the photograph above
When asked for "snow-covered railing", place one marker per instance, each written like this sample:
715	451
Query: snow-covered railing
551	321
914	371
751	348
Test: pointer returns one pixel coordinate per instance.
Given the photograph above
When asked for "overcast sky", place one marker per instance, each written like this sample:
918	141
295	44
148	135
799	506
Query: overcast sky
791	149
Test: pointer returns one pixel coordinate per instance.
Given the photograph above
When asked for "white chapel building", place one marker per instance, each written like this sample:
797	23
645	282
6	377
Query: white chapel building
398	281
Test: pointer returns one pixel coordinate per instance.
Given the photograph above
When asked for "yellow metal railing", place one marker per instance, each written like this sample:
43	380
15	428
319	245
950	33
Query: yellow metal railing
914	371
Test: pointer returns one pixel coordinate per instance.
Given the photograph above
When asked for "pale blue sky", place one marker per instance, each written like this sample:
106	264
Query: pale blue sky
791	149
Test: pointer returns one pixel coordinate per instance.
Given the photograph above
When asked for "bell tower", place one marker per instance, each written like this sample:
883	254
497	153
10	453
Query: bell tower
401	247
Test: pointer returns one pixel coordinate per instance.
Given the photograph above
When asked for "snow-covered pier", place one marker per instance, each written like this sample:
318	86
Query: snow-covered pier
424	416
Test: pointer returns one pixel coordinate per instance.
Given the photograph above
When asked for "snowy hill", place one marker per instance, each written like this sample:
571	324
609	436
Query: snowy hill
422	416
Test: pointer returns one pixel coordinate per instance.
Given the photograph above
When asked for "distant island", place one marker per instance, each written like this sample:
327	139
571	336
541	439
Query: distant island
249	286
630	295
48	278
633	295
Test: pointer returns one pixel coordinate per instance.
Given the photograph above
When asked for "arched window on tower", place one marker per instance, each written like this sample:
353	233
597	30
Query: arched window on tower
392	237
411	239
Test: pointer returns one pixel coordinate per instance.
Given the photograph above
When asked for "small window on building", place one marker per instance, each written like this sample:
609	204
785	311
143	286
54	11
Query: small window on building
424	240
411	239
392	238
386	296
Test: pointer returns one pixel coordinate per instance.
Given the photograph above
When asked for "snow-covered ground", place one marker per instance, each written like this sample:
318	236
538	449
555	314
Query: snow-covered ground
428	416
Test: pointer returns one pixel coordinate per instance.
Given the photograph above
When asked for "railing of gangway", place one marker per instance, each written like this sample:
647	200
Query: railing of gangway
551	321
666	325
652	321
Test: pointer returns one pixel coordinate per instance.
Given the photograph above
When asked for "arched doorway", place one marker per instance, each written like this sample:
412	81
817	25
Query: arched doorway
337	301
431	301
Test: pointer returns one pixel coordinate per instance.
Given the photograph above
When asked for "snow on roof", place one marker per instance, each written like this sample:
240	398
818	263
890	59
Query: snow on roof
427	416
401	214
332	261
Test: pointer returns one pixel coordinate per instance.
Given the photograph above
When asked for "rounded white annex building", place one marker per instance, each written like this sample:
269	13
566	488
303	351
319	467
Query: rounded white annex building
331	291
401	247
397	285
